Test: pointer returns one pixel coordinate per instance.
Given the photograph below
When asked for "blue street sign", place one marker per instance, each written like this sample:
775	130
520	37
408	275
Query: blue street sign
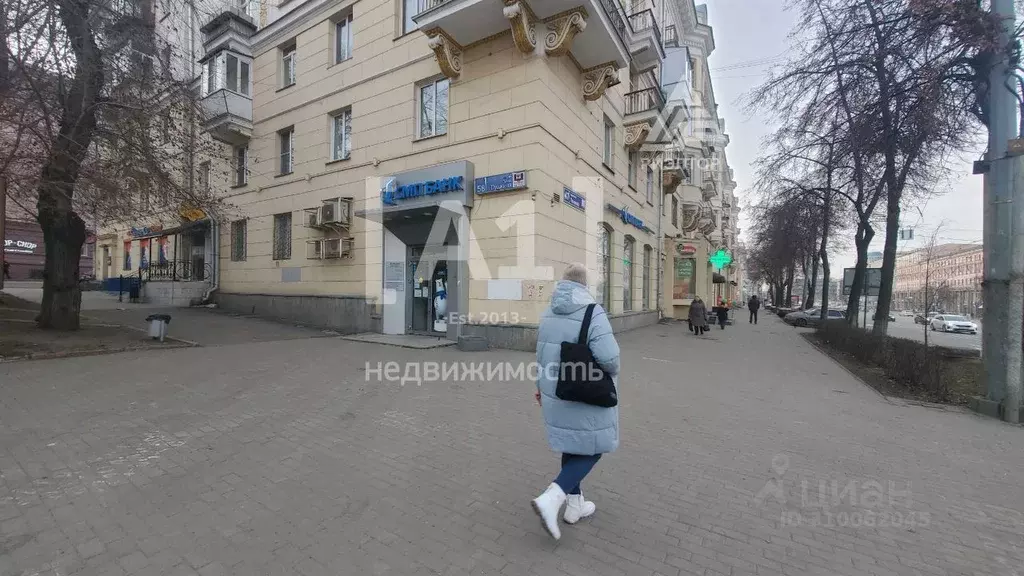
500	182
574	199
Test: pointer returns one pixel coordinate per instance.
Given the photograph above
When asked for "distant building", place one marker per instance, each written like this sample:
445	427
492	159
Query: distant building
953	274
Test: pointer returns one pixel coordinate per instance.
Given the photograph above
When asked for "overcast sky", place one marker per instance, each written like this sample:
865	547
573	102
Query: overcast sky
746	41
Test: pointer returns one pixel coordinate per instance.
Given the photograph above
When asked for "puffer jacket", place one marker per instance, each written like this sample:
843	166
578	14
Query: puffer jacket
574	427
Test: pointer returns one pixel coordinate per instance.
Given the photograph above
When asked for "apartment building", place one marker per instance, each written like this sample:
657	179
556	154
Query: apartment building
952	273
430	166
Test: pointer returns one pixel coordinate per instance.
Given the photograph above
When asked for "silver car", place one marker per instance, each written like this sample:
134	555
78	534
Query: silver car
811	317
953	323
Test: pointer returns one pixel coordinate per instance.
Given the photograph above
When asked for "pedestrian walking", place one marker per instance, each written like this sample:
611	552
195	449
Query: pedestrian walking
753	305
698	316
722	311
581	432
7	270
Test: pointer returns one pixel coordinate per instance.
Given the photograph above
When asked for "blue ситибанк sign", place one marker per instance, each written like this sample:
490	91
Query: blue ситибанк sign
393	192
574	199
628	218
500	182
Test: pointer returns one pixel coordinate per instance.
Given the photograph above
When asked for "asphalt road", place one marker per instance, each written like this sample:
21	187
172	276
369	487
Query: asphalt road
905	328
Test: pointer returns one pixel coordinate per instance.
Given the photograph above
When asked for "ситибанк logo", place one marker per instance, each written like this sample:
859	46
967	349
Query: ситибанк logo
387	192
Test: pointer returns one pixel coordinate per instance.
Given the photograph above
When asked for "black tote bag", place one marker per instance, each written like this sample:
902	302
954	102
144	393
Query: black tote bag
580	377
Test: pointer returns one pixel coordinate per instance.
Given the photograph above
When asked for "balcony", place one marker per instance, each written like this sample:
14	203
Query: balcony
673	170
227	116
645	44
595	32
642	112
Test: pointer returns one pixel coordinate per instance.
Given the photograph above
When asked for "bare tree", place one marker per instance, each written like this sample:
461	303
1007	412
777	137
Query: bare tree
933	290
896	82
92	123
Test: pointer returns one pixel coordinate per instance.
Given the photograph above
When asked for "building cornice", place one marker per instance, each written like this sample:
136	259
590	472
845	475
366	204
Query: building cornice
291	24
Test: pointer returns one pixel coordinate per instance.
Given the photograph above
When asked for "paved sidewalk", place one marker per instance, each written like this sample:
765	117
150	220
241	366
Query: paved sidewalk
281	458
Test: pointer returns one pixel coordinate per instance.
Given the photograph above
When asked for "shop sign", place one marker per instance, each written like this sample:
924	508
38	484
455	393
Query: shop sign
191	214
686	249
501	182
628	218
19	246
720	259
393	191
574	199
145	231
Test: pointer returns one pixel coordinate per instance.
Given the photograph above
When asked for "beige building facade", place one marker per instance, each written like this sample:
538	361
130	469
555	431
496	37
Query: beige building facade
952	272
431	166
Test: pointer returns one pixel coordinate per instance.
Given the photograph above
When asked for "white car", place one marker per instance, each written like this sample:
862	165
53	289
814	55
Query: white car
953	323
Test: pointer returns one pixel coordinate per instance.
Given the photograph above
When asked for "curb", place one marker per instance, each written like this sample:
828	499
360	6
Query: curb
79	353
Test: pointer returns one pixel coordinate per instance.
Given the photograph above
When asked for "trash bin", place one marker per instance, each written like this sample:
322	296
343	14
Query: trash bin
158	325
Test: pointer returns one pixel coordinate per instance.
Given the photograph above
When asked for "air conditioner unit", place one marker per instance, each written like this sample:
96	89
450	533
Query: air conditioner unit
312	217
338	247
336	211
314	249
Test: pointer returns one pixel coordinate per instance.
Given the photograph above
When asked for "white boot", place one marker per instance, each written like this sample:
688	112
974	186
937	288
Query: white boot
577	508
547	506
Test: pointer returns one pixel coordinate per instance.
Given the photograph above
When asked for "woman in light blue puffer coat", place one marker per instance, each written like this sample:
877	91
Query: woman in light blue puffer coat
580	432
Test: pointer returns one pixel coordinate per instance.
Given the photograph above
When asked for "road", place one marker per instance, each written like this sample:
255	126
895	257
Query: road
283	458
905	328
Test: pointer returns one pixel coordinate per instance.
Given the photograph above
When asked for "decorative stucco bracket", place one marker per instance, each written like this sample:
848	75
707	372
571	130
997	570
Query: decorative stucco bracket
598	79
637	133
447	51
522	20
562	28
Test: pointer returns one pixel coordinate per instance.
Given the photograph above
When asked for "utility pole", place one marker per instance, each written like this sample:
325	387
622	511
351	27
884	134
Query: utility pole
1003	247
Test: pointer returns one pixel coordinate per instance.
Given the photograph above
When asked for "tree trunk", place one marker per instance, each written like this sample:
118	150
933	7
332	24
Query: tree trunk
892	230
63	230
823	248
789	286
862	240
814	281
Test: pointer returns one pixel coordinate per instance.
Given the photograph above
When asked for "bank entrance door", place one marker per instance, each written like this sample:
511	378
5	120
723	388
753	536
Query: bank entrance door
427	291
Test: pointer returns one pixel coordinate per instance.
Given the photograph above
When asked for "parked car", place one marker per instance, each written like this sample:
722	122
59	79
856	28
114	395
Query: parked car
907	313
924	319
811	317
892	317
953	323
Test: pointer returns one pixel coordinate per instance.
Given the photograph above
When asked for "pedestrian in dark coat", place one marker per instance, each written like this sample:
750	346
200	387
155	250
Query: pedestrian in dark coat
698	316
722	311
753	305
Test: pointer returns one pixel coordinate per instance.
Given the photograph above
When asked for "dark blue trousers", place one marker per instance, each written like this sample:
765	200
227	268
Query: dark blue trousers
574	469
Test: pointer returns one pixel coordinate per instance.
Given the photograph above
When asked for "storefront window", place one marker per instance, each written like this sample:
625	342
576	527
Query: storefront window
647	278
604	263
627	274
684	284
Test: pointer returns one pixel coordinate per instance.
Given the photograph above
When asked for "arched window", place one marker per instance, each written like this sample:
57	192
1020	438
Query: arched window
627	273
604	263
647	278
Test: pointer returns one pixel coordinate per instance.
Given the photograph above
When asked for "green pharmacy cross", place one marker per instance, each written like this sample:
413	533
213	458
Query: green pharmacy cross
720	259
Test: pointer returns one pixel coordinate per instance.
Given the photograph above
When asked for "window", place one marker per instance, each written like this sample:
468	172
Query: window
341	135
675	212
433	116
239	230
650	185
604	255
634	160
204	176
251	8
286	140
283	236
411	8
227	71
647	278
241	165
343	39
288	66
627	274
609	141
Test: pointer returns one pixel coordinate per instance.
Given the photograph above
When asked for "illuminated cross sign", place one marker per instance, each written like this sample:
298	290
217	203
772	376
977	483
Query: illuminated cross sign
720	259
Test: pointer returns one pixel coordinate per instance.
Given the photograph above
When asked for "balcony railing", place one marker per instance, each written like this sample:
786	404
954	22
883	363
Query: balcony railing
644	20
644	100
671	36
613	11
425	5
